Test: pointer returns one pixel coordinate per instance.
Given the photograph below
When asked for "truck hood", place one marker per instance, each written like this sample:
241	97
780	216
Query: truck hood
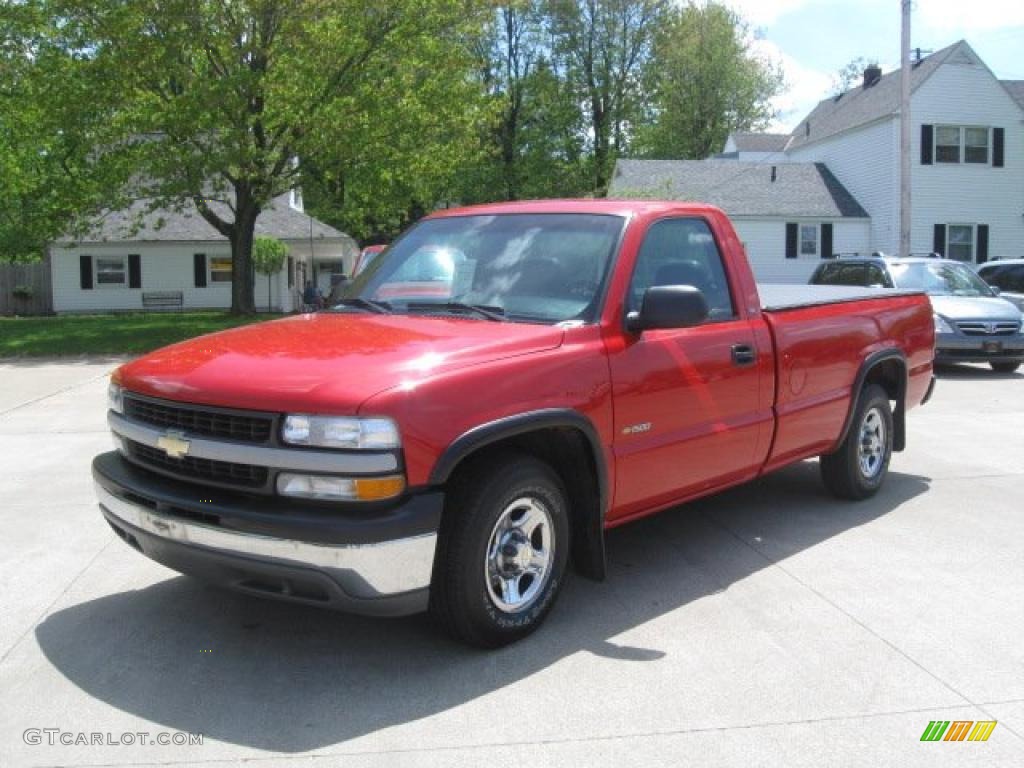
974	308
325	363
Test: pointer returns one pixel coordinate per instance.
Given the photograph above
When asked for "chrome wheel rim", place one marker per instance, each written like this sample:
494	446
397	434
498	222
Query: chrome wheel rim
871	453
518	561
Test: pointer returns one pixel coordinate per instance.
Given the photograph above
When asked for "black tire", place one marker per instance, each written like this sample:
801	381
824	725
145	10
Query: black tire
844	473
1004	367
483	493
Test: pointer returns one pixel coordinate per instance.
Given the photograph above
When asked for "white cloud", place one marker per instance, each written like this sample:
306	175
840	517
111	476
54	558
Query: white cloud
761	13
804	87
964	18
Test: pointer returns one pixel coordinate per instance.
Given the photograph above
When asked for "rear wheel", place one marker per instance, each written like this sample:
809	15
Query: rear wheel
503	550
858	467
1004	367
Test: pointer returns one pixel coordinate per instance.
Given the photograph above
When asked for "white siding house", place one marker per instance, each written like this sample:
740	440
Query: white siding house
789	216
967	155
134	260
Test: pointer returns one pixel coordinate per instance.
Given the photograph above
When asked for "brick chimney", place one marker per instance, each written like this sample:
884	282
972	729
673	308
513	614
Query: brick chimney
872	75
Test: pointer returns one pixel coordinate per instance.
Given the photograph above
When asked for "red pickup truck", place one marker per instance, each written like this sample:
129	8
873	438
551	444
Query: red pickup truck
506	383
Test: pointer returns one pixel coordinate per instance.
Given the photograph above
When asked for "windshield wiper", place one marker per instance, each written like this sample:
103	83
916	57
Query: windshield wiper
496	314
371	305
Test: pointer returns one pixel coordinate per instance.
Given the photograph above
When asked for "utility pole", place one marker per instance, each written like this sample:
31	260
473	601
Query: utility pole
905	130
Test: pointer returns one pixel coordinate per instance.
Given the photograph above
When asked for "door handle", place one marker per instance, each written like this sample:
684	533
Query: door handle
743	354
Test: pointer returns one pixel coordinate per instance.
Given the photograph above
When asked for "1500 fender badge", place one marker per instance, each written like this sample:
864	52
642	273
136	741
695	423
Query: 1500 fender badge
636	429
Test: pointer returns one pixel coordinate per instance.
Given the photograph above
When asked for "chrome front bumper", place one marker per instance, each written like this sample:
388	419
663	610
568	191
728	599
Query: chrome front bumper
389	577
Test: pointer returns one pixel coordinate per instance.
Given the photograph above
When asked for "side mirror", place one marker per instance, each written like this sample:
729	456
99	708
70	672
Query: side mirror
996	291
668	306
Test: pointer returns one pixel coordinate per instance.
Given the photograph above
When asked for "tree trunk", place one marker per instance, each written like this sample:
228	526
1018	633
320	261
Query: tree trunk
243	300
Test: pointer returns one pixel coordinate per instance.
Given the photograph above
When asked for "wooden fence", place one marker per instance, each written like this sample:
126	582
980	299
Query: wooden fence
25	289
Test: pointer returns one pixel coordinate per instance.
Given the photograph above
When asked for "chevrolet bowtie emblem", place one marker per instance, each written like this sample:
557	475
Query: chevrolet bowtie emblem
173	444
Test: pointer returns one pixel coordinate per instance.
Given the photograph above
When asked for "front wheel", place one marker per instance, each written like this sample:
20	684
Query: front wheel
502	552
1004	367
858	467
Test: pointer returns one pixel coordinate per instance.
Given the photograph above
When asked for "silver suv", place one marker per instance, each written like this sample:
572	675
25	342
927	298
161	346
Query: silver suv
1007	277
972	323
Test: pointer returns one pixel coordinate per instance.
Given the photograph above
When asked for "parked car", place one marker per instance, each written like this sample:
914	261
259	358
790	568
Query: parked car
589	363
972	323
1007	276
366	257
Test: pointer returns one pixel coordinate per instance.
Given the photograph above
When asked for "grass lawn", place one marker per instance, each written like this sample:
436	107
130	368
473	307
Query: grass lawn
109	334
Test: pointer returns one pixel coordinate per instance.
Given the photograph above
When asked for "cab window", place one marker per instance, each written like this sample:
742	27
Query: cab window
682	252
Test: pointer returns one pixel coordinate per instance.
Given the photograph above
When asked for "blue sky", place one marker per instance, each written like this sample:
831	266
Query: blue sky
813	39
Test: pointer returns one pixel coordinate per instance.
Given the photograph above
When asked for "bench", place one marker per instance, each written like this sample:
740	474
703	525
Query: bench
163	300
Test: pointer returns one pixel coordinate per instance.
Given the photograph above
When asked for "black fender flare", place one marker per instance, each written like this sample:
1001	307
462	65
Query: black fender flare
589	543
899	414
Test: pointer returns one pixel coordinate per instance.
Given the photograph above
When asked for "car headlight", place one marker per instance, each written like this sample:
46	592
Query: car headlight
115	398
340	432
942	325
335	488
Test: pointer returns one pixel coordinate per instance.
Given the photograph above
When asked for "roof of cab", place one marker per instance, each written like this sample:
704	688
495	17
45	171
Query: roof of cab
607	206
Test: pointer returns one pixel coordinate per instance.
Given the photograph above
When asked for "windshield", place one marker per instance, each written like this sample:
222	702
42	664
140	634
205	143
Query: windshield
545	268
939	279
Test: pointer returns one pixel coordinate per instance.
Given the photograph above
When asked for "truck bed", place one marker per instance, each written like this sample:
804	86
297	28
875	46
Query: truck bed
779	298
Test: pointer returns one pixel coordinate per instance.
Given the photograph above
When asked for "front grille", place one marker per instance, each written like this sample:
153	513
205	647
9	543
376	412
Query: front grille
191	468
979	328
200	421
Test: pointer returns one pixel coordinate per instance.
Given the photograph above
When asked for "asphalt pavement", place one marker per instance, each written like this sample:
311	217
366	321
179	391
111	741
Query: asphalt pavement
769	625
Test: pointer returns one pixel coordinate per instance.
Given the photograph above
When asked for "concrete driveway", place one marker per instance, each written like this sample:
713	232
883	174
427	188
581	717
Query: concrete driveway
770	625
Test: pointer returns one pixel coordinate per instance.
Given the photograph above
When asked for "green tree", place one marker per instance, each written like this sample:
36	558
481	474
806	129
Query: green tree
707	82
604	47
268	256
531	145
218	104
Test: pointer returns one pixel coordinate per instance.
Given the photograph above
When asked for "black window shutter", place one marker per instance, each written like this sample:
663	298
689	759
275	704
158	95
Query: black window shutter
85	272
926	144
134	271
826	241
291	272
199	266
998	139
791	235
982	250
939	239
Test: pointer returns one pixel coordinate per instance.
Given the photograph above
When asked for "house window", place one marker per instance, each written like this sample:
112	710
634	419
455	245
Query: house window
953	142
111	271
947	144
808	239
976	145
220	269
960	242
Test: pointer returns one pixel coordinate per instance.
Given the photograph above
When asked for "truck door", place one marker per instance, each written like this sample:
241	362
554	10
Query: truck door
686	401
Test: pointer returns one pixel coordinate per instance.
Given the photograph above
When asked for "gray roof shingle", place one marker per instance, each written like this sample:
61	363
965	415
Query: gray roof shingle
134	224
1015	89
739	188
746	141
861	105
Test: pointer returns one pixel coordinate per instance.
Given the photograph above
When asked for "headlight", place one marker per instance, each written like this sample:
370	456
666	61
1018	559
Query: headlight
115	398
340	432
333	488
942	325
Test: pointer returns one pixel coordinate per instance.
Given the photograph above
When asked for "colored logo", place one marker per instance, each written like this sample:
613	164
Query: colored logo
959	730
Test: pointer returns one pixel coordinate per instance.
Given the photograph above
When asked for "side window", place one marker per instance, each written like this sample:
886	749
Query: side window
877	276
682	252
1007	278
1015	279
827	275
